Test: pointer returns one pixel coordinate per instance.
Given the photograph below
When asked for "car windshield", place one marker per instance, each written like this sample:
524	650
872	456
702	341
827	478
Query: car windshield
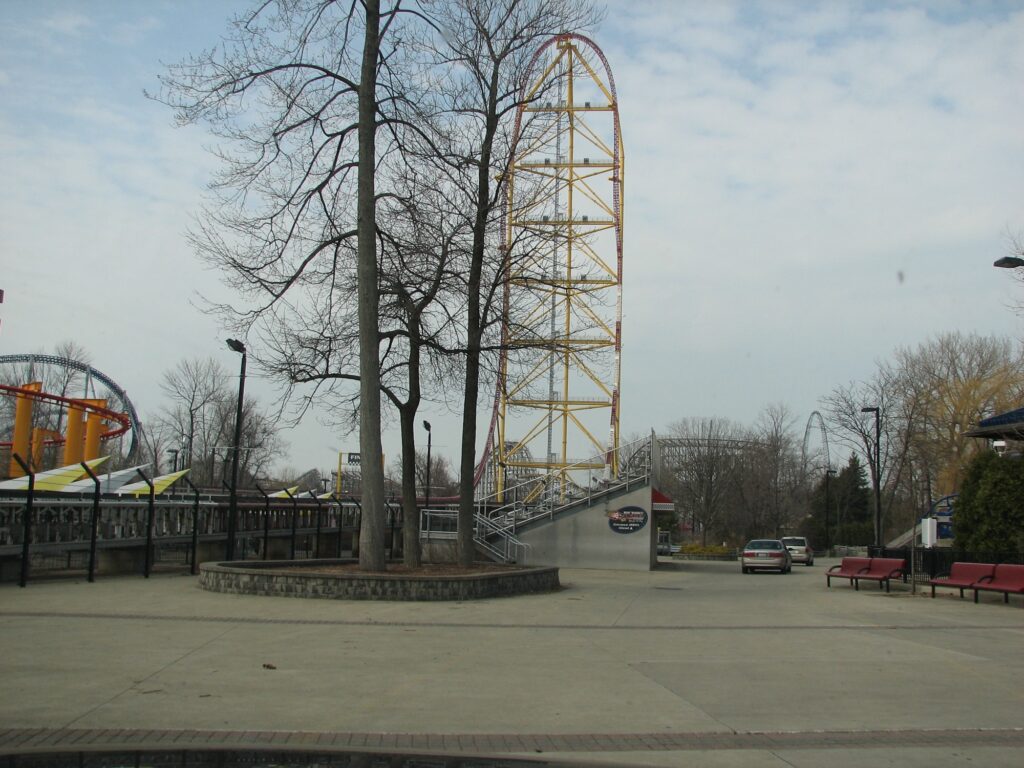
793	541
764	544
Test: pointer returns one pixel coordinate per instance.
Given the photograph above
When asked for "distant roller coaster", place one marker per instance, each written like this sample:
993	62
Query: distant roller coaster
563	251
123	403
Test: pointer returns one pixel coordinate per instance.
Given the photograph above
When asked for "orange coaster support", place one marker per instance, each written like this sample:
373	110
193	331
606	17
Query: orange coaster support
21	443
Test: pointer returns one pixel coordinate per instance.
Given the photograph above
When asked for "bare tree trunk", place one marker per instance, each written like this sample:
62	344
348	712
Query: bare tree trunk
410	509
372	533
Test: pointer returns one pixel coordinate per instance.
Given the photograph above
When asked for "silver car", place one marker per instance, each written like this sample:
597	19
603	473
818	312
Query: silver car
799	549
765	554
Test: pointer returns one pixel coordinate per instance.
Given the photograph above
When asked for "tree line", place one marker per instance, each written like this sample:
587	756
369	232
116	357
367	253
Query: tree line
733	482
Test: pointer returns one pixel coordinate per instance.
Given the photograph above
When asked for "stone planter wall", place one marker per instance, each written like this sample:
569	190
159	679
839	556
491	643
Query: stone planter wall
270	578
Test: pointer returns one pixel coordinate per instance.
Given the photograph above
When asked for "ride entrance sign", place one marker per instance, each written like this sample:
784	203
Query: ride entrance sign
627	519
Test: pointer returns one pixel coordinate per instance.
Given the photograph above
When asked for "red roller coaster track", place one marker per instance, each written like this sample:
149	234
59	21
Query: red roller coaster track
121	420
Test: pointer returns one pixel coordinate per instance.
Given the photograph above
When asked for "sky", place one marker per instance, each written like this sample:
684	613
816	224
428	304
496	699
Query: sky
808	187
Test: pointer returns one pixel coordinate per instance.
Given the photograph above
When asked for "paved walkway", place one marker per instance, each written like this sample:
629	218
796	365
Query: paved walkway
695	664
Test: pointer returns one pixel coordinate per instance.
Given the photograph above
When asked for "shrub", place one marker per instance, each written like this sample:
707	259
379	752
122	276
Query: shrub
710	549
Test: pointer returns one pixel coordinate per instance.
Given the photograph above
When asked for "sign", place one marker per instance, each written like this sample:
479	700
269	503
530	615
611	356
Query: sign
627	519
354	458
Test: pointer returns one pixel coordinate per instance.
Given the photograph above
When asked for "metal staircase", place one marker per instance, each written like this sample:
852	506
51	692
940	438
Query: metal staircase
538	500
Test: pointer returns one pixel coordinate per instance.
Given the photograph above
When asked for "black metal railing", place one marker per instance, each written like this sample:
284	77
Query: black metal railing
938	561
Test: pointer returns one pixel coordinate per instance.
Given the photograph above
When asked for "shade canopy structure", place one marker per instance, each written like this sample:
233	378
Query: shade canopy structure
1002	426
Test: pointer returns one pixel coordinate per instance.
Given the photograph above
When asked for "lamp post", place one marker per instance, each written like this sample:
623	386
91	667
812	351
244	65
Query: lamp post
236	346
877	474
426	501
174	459
829	473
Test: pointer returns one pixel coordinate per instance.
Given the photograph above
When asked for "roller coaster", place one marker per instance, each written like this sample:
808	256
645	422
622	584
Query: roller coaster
563	247
89	420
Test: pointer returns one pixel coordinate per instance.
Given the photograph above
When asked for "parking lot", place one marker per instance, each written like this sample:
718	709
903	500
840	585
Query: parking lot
691	664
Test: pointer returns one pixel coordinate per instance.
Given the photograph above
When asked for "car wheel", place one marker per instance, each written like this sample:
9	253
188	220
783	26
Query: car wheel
809	563
745	569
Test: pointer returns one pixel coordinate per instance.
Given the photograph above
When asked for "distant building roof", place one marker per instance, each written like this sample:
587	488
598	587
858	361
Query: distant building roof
1002	426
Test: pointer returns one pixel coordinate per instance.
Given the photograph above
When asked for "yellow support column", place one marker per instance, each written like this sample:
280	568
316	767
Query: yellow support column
73	445
21	441
93	430
39	438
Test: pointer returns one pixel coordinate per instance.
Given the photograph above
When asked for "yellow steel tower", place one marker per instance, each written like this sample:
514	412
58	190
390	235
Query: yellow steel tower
558	410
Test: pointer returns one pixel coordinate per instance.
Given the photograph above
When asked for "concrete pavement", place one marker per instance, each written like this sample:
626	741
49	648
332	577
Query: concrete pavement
692	664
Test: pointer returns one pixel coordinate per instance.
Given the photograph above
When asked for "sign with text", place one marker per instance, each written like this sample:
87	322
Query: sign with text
627	519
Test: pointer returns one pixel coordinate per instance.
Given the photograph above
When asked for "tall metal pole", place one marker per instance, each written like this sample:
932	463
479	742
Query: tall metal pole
26	520
828	543
94	523
237	346
426	501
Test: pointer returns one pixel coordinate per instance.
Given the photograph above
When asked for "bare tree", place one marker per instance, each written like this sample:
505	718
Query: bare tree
200	415
768	482
702	473
294	92
488	46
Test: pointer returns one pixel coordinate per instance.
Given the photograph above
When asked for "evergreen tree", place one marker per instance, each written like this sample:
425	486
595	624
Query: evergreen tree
988	517
849	512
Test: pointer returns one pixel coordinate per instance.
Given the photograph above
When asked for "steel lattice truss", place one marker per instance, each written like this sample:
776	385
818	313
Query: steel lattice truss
559	382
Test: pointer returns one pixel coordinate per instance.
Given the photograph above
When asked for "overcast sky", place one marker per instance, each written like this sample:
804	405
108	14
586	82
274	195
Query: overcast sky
808	187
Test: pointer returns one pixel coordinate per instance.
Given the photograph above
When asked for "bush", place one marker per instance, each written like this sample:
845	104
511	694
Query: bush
710	549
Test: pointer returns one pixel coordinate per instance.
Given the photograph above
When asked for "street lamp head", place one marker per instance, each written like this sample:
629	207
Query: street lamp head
237	346
869	409
1009	262
426	425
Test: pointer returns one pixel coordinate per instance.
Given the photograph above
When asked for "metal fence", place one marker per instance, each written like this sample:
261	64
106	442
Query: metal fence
934	562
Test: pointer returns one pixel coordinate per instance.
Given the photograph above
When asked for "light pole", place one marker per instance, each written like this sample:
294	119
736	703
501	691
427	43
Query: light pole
239	347
829	473
877	479
174	459
426	501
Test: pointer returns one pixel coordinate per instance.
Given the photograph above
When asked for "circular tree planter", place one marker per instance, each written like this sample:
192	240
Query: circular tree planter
331	580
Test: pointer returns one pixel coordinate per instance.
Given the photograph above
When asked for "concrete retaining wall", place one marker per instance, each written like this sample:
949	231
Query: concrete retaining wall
585	539
270	578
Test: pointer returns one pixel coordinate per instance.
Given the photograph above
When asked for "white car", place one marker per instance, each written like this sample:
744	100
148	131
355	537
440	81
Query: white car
799	549
765	554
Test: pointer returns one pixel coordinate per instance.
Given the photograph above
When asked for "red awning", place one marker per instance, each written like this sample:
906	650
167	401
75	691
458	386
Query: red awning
660	502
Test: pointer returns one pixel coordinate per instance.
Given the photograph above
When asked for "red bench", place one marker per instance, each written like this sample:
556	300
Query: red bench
963	576
1006	578
847	569
879	569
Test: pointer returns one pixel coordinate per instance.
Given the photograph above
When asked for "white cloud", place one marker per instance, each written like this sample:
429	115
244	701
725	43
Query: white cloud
67	23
